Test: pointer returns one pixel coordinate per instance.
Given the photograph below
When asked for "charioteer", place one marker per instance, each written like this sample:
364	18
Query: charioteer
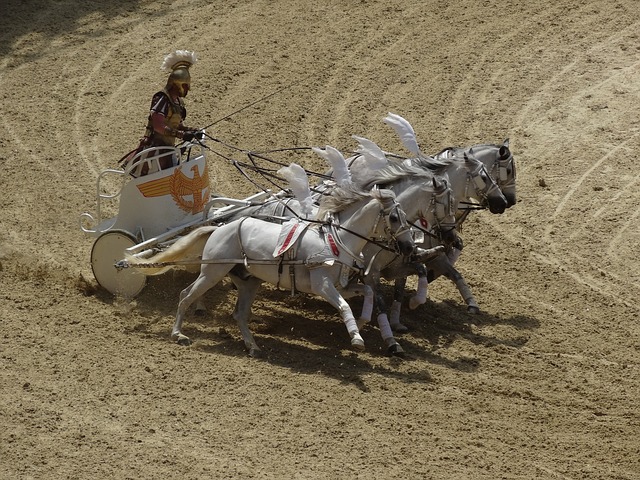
165	125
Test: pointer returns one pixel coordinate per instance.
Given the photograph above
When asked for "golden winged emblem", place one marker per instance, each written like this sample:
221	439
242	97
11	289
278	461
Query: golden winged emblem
181	187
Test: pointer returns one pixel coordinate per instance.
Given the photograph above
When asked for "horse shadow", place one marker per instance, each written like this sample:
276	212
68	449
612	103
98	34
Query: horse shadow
304	333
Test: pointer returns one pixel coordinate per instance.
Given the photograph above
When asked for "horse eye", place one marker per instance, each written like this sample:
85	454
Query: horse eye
393	217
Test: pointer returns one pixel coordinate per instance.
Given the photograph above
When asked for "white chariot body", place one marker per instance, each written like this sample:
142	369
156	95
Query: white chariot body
154	210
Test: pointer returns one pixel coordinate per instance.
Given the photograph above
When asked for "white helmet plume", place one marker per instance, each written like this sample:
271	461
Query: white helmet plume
405	131
179	58
334	157
299	183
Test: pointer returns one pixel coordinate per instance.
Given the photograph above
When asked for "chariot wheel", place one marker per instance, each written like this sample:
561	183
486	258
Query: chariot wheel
106	251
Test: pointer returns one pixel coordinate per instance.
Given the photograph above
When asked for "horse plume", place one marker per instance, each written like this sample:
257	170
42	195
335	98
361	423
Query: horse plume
372	152
405	131
299	183
374	161
341	173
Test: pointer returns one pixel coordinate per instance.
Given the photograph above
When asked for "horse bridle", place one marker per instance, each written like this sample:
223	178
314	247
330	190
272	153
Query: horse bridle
482	187
383	214
442	206
503	165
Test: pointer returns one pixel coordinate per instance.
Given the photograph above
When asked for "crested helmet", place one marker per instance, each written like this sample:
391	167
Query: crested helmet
177	64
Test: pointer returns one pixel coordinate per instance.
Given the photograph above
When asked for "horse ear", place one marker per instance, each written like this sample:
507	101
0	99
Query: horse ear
504	152
471	156
506	143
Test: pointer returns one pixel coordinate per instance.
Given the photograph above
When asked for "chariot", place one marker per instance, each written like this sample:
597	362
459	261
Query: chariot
153	210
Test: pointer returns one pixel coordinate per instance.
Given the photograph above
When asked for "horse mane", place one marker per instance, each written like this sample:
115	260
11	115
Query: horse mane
437	163
339	198
397	171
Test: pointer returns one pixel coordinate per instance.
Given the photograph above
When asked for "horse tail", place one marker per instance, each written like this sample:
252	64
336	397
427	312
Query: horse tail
187	249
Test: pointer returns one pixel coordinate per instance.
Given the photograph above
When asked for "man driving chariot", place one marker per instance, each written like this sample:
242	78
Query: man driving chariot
166	116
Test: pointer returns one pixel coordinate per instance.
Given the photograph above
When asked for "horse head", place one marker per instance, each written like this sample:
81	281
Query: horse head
484	185
505	167
397	228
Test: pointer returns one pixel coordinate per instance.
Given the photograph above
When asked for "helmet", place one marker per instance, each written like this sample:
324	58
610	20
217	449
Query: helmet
178	64
180	78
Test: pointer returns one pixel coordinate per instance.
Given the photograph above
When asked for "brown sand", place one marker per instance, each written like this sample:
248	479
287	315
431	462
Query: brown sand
544	383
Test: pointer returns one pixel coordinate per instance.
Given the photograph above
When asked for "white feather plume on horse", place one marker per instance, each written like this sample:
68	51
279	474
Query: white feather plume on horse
299	183
374	160
334	157
374	155
405	131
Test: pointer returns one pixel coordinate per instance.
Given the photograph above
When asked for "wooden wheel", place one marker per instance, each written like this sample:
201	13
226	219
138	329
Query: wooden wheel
106	251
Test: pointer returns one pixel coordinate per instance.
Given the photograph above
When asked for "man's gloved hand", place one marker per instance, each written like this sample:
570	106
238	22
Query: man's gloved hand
190	134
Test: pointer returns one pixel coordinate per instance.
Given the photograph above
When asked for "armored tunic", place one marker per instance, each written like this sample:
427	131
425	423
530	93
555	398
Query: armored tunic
174	112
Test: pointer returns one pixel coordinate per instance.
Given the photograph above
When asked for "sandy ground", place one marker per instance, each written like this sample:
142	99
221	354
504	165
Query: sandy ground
543	384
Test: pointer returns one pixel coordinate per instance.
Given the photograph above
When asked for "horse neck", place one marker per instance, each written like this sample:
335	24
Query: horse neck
415	198
487	154
359	218
457	178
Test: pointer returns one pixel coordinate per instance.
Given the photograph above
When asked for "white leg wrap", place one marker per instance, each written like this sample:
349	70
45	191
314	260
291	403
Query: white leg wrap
421	294
385	328
367	308
352	326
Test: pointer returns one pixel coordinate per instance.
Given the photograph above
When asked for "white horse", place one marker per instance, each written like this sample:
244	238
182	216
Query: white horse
500	169
322	261
465	177
483	193
498	160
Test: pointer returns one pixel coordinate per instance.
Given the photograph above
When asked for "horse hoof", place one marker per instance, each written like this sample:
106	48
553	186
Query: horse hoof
183	340
357	343
473	310
399	328
200	312
255	352
395	350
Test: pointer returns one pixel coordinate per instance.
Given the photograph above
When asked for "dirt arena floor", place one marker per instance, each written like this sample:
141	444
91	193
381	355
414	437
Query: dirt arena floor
543	384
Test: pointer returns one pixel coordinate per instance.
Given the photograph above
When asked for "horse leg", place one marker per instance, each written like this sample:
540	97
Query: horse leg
247	291
209	276
393	347
201	309
360	290
394	311
423	288
452	274
422	292
367	306
322	286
